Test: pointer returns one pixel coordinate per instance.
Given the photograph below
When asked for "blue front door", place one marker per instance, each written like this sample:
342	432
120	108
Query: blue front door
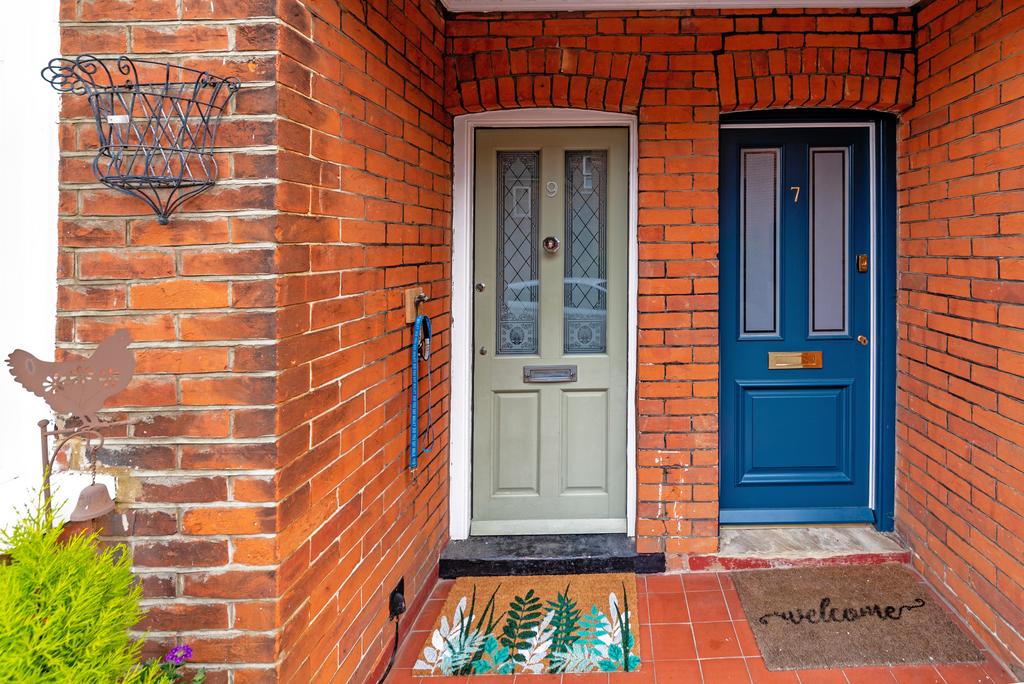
795	325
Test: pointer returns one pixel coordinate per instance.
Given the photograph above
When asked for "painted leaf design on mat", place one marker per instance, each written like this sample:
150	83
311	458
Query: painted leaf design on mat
494	658
535	636
565	623
524	615
594	628
435	656
579	658
537	647
462	652
467	651
619	653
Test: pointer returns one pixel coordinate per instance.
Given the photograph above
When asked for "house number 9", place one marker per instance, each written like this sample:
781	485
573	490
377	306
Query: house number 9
551	188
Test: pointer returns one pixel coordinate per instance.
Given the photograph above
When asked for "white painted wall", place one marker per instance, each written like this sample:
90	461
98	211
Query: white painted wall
29	37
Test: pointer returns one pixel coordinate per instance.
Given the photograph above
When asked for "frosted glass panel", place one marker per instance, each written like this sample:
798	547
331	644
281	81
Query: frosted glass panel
518	219
586	211
759	231
828	249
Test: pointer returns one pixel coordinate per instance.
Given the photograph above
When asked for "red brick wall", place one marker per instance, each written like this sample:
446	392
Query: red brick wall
960	488
678	71
365	199
268	509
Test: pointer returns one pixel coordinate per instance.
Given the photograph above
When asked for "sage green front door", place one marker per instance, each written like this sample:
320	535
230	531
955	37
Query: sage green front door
550	271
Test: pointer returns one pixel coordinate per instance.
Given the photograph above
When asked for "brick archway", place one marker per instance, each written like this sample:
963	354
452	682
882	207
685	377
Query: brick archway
880	80
545	77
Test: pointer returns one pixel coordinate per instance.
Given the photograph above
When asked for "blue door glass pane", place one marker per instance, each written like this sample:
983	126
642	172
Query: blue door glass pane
828	241
759	235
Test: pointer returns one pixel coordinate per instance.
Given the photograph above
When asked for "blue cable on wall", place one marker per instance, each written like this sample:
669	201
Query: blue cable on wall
421	335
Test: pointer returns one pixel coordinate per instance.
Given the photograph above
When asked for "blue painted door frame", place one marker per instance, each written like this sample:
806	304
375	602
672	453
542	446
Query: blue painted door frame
796	444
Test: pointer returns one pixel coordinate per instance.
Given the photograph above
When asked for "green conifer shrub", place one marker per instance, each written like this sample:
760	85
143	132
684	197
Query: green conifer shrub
66	607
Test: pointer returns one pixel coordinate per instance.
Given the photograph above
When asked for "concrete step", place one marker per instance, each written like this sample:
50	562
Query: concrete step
747	548
546	554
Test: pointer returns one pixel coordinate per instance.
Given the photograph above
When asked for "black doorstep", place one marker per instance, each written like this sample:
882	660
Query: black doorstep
546	554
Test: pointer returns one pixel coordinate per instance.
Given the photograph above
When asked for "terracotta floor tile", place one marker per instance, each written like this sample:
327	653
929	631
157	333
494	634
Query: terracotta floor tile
716	640
724	671
701	581
821	676
678	672
645	675
869	675
402	676
667	608
442	589
968	674
732	600
646	650
745	635
996	671
640	609
588	678
411	649
762	675
672	642
707	606
536	679
660	584
428	615
917	674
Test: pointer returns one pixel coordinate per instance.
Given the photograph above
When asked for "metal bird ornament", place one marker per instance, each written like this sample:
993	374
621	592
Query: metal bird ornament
77	386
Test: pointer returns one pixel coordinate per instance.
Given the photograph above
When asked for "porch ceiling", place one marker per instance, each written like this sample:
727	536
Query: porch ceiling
573	5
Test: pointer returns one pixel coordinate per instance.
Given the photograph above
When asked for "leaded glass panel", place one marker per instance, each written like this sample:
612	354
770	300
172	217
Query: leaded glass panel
518	222
586	236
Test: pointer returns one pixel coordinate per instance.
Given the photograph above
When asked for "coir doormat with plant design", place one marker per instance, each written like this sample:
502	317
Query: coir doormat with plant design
535	625
849	616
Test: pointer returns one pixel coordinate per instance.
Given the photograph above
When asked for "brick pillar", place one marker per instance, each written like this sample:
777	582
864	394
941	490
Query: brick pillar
677	458
196	468
263	479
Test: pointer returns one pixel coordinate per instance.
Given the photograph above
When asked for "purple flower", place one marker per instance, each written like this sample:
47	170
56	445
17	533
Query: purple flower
179	655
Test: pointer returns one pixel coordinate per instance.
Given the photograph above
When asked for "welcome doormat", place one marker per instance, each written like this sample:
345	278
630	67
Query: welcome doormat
535	625
849	616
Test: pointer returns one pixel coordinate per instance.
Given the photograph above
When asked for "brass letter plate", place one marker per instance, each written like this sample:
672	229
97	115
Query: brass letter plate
791	360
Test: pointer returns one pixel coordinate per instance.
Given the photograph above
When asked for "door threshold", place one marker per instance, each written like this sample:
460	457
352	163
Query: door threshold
546	554
750	547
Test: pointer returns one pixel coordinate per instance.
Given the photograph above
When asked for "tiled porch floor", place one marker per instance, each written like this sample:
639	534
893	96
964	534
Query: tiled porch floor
693	630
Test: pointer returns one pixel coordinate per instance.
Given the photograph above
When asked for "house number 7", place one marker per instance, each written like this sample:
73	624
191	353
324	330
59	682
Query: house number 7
796	193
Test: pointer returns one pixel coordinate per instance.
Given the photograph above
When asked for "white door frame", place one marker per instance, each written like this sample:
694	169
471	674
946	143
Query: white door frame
461	410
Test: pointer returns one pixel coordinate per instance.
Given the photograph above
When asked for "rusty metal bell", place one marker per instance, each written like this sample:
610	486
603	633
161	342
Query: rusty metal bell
94	502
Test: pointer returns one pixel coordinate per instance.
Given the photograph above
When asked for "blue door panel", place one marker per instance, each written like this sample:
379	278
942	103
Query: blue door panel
795	213
809	423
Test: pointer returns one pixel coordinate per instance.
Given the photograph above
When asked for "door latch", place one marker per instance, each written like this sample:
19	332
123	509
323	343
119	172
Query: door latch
862	263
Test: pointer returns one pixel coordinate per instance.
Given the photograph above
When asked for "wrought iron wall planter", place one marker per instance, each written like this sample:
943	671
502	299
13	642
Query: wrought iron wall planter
156	122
